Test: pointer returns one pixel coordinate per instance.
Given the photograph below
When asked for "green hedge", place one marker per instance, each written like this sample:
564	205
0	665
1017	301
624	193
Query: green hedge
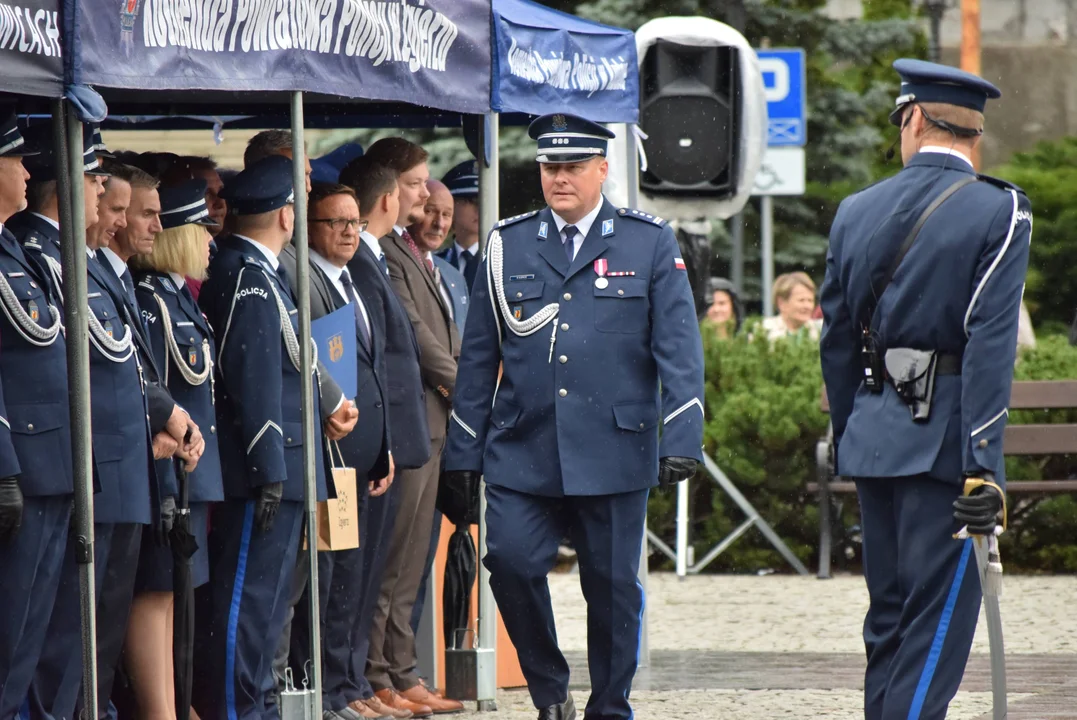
763	421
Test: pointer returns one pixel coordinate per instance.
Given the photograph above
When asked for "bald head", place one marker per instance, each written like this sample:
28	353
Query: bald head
431	231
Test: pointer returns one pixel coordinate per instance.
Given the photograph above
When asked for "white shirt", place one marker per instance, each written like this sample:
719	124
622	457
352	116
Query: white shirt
583	226
373	243
179	280
946	151
473	251
49	220
266	252
335	274
117	265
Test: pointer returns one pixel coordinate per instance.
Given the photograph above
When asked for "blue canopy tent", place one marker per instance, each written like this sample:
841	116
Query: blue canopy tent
30	49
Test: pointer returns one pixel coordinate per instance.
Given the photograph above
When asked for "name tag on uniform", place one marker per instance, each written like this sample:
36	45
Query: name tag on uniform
514	278
91	296
16	275
186	323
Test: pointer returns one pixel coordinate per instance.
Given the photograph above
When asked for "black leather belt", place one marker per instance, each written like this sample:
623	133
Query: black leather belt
948	364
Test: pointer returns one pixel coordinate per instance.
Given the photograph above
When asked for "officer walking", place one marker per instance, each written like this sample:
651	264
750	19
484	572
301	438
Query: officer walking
921	301
588	308
35	441
256	531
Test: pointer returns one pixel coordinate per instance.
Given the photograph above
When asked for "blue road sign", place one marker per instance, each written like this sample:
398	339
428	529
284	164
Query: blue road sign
785	88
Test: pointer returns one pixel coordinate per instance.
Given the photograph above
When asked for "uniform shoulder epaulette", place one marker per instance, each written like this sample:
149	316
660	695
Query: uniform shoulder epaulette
1000	183
146	284
642	216
35	240
515	219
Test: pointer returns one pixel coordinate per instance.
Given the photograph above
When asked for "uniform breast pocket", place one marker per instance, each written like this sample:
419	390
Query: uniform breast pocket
524	297
189	342
31	297
622	306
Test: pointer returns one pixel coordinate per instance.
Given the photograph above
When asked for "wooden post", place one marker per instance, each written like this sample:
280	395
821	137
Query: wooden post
970	48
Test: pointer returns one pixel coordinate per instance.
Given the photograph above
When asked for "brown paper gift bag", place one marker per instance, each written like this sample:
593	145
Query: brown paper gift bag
338	518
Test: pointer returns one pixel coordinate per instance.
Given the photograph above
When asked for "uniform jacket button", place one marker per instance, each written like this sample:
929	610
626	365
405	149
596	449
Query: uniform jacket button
519	294
30	426
562	392
563	359
983	443
641	426
620	292
213	429
564	326
568	296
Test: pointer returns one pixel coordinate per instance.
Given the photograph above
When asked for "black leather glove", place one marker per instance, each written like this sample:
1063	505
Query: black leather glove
10	508
671	470
458	496
162	529
265	510
979	510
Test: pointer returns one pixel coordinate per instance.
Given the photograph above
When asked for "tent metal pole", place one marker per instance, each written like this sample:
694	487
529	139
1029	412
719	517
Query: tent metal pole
72	209
306	367
489	211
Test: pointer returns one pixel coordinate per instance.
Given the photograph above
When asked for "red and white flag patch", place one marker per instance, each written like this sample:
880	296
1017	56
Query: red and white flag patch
679	263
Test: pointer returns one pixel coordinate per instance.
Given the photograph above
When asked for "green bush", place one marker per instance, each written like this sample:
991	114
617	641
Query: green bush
763	421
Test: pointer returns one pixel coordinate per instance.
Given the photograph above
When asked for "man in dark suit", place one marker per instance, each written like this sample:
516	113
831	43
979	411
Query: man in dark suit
378	194
333	218
391	664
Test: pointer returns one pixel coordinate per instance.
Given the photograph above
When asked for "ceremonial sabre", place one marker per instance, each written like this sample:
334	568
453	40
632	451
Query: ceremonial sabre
989	563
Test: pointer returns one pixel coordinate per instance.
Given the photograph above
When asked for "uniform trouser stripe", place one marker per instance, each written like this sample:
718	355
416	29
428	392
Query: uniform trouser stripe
940	635
233	613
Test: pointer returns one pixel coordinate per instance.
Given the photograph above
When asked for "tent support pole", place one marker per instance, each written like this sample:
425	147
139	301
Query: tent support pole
70	192
488	216
310	495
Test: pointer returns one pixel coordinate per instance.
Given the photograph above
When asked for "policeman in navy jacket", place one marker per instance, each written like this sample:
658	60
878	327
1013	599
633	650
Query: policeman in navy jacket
956	293
588	307
35	440
256	531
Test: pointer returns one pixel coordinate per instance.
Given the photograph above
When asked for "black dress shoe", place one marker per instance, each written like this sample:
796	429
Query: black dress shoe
561	711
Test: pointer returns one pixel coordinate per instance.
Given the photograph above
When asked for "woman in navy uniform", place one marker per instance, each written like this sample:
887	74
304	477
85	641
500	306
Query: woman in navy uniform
955	295
589	309
183	348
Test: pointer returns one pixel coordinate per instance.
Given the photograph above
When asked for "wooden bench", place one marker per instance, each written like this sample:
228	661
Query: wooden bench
1018	440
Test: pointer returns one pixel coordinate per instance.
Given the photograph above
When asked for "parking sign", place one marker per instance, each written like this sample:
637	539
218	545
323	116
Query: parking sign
785	87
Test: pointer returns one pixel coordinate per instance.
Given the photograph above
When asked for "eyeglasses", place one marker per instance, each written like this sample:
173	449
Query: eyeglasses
338	224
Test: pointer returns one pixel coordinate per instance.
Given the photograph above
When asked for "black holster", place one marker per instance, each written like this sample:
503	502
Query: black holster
912	373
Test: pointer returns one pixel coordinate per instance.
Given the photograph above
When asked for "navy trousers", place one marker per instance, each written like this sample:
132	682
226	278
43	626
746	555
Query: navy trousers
55	692
30	568
925	597
251	580
523	534
378	517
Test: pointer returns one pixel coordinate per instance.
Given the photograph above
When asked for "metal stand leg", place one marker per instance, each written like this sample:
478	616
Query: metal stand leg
682	529
644	639
825	522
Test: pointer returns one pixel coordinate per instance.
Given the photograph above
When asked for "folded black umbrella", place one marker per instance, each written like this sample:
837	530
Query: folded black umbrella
459	577
183	544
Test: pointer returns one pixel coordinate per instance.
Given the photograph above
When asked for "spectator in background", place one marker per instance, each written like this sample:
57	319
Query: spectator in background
191	167
273	142
463	184
794	297
725	314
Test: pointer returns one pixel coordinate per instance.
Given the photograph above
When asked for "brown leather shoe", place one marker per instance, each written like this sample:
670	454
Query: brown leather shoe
432	690
440	706
360	708
375	704
396	701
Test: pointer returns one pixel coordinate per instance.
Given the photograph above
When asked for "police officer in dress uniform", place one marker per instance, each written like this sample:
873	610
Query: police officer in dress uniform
918	375
123	462
35	440
589	309
256	531
463	184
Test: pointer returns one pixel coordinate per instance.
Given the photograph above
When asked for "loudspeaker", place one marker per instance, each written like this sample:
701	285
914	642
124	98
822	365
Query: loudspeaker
690	100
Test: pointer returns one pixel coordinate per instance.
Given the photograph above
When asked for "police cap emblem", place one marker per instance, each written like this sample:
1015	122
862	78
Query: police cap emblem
559	123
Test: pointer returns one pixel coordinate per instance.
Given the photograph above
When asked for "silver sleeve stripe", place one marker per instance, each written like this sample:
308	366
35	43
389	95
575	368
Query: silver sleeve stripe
464	425
1005	413
5	422
269	424
994	264
694	401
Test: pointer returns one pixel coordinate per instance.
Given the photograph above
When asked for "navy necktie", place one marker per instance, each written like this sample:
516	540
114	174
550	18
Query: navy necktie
282	275
353	298
132	301
471	266
570	242
384	264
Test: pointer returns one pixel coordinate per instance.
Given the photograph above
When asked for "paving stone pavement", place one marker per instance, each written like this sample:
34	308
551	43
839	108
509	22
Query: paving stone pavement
737	647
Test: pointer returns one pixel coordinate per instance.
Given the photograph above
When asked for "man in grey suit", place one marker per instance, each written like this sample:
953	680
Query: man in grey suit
334	223
391	660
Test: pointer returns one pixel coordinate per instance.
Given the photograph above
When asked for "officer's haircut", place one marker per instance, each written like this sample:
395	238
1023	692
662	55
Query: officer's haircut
136	177
396	153
785	284
370	181
324	191
961	117
39	194
267	144
185	167
180	250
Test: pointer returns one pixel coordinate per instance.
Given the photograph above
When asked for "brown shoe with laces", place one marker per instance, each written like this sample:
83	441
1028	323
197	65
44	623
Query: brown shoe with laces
432	690
362	710
375	704
440	706
396	701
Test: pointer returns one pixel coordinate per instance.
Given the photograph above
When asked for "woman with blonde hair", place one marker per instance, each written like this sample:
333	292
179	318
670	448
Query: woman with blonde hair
182	343
794	298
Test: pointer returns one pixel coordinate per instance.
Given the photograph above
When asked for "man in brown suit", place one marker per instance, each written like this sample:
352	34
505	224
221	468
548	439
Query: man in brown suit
391	661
